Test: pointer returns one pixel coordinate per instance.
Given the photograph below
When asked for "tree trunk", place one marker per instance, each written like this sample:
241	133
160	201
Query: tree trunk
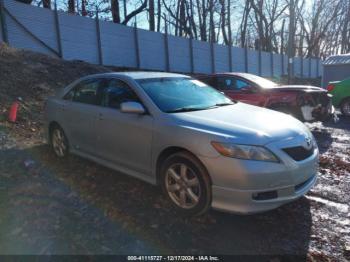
71	6
229	22
211	21
159	14
152	26
223	21
47	4
115	11
125	8
83	8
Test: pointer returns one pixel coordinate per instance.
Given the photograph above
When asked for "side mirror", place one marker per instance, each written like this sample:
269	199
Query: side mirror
132	108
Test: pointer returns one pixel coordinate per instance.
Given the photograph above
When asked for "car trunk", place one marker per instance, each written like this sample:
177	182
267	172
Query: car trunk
313	102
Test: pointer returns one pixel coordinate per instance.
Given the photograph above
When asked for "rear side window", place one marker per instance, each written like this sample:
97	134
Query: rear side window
242	84
116	92
86	92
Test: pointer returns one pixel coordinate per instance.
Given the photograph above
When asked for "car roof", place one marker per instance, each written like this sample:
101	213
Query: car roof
234	74
140	74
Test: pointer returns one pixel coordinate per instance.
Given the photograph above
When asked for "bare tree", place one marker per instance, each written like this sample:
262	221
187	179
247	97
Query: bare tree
71	6
151	13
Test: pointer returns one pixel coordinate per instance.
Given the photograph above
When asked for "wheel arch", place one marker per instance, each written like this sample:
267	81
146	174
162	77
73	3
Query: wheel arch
343	100
167	152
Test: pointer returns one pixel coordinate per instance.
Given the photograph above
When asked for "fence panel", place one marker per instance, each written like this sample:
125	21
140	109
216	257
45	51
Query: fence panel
306	67
179	54
297	67
39	21
118	45
253	62
221	58
266	64
238	60
314	68
152	50
320	68
285	61
76	30
277	64
201	57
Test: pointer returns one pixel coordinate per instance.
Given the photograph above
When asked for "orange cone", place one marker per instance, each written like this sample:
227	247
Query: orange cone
13	112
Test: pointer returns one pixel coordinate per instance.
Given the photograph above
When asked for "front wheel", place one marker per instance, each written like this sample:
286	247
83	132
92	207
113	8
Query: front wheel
345	107
186	184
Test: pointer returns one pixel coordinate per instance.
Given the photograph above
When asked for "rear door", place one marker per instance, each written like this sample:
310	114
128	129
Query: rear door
80	114
241	90
123	138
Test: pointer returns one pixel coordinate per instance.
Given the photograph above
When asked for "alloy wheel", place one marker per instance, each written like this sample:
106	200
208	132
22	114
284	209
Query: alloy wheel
59	143
183	186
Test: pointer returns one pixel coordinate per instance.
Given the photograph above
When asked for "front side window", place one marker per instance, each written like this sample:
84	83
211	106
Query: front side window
226	83
178	94
116	92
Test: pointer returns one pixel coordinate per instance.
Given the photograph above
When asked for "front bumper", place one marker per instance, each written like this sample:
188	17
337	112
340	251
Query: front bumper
246	186
242	202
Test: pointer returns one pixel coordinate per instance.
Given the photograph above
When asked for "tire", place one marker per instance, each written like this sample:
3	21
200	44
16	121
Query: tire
59	142
186	184
345	107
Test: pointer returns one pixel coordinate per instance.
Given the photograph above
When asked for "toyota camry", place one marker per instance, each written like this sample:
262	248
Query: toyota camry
171	130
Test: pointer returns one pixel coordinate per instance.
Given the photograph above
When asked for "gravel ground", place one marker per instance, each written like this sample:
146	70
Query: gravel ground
50	206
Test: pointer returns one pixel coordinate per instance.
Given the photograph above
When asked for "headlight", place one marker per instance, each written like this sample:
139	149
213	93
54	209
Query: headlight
258	153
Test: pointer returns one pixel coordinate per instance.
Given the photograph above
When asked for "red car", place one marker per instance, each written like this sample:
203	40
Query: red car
307	103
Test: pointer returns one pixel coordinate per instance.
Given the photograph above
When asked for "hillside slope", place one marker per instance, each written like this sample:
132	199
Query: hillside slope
33	77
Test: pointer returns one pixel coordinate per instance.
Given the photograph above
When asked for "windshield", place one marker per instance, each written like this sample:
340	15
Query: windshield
263	82
177	94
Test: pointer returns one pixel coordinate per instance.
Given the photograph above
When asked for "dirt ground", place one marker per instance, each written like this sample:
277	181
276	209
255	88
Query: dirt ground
51	206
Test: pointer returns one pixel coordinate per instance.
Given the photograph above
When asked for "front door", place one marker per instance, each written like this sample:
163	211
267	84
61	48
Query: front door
124	139
241	90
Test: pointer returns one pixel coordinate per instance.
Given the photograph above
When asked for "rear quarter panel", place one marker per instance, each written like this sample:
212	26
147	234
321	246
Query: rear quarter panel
340	92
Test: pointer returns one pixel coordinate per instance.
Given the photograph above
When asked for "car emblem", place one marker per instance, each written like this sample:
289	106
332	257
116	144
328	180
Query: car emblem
308	143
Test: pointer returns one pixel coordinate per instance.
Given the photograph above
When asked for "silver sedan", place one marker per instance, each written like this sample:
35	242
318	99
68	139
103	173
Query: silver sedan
171	130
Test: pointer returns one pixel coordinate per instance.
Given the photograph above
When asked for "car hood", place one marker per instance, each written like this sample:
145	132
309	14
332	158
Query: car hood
243	123
305	88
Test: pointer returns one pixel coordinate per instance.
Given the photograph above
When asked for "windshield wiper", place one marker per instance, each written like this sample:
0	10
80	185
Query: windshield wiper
189	109
224	104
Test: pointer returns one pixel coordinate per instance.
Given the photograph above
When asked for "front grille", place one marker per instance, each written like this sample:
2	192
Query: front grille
299	153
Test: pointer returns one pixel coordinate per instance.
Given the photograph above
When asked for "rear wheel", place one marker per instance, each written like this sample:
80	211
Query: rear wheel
345	107
186	184
59	142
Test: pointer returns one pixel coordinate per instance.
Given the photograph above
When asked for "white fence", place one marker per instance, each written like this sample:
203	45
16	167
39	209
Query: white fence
99	42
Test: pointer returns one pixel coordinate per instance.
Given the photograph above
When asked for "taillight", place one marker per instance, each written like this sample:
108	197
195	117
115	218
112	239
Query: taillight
330	87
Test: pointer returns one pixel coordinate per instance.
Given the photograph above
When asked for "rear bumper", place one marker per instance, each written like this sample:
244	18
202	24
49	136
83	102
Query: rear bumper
242	202
322	110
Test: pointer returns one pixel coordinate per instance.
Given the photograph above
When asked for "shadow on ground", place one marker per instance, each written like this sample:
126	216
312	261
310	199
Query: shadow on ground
73	206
